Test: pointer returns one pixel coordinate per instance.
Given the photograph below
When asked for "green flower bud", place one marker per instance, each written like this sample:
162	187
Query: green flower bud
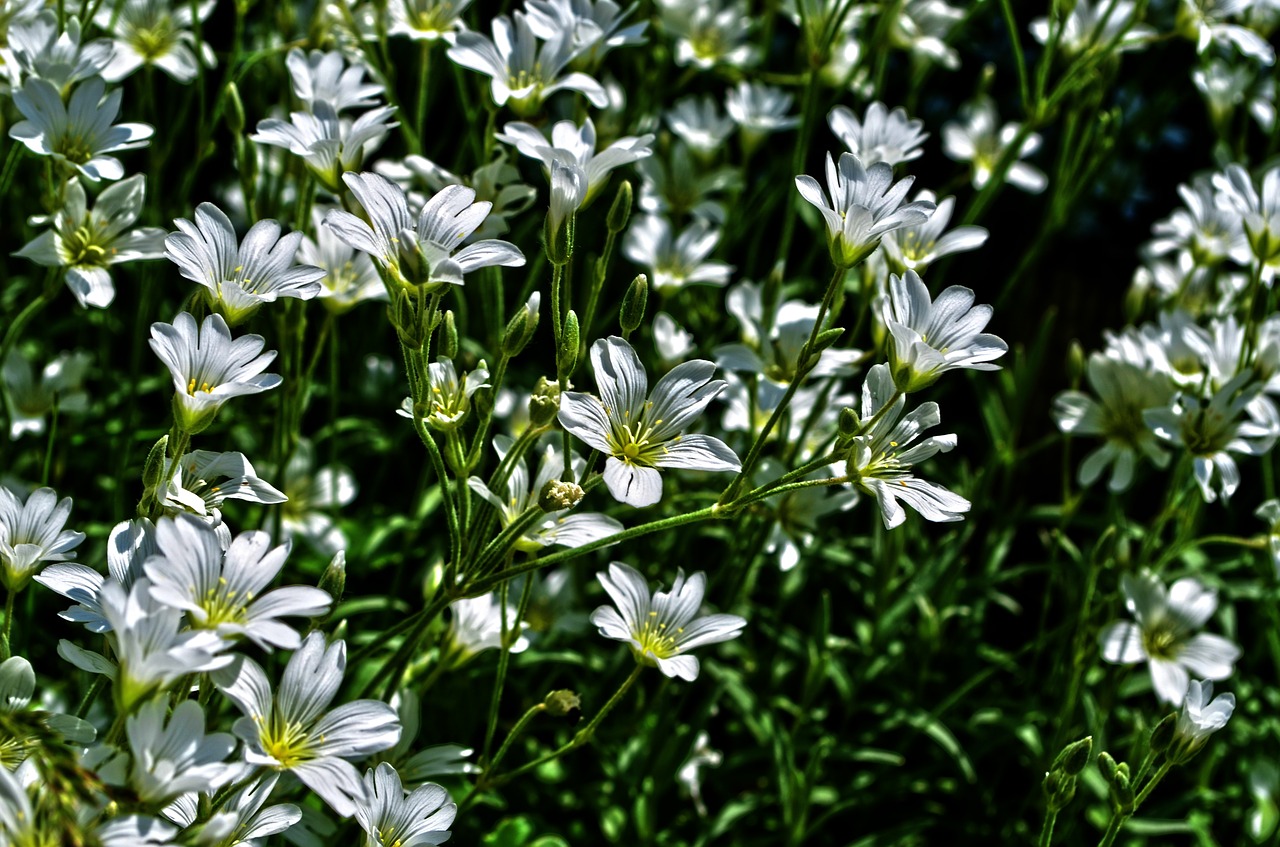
334	579
1107	765
558	240
570	338
1162	735
620	211
153	469
449	338
1074	756
1075	362
521	327
848	423
633	304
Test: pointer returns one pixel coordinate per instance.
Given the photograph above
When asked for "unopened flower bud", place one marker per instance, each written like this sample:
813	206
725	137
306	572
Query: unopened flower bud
449	337
848	422
620	211
334	579
153	470
558	495
1074	756
1107	765
562	702
433	581
633	304
544	405
1162	735
521	326
570	339
1075	362
1122	792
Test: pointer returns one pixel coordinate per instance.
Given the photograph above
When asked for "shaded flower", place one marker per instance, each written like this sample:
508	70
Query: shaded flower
28	398
674	262
975	139
32	533
426	20
199	482
1163	634
697	120
316	495
41	50
914	248
325	77
128	547
594	28
641	434
331	146
1200	718
882	136
476	625
661	628
174	756
156	33
350	276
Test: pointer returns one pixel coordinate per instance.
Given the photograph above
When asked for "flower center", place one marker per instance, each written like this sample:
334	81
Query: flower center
82	250
286	744
658	638
1160	641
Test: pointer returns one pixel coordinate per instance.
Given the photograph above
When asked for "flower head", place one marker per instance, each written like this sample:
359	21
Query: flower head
80	133
928	338
31	533
350	276
43	51
642	433
426	20
320	77
661	628
30	397
240	276
914	248
577	146
882	136
392	819
1200	718
864	205
156	33
675	261
331	146
209	367
976	139
1163	634
174	756
477	625
87	242
295	730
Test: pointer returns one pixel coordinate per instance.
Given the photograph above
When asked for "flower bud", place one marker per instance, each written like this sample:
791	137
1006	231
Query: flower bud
558	495
334	579
848	423
562	702
153	469
1162	735
620	211
449	336
1074	756
1107	765
521	327
633	304
570	339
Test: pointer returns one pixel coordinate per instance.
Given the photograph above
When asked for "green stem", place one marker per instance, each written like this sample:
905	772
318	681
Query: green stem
394	668
1050	817
424	77
533	712
48	449
504	659
5	653
47	294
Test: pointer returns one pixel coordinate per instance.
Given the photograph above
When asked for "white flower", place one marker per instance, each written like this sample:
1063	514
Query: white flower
928	338
450	397
390	819
315	496
1124	392
711	34
79	134
1212	431
593	28
201	481
558	527
28	398
175	756
128	546
476	625
1206	20
241	821
331	146
87	242
882	136
864	205
698	121
1260	211
224	591
320	77
154	32
975	138
690	773
675	262
1270	512
681	185
350	276
1163	635
914	248
1091	25
240	276
294	730
58	57
420	252
1199	719
880	460
577	145
1208	229
208	367
426	20
641	434
31	533
671	341
759	109
497	182
663	627
922	27
524	73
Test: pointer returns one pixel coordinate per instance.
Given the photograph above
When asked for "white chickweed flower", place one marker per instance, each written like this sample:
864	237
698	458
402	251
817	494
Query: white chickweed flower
1260	211
319	77
709	34
914	248
88	242
209	367
129	545
882	136
156	33
199	482
594	28
928	338
1091	25
331	146
426	20
240	276
476	625
759	109
880	460
175	756
31	533
450	397
575	145
1164	634
641	434
421	252
315	496
675	261
294	730
697	120
975	138
80	133
661	628
864	205
29	398
350	276
392	819
42	50
1200	718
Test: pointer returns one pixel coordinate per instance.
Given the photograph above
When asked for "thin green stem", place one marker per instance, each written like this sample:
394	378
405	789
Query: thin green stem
504	659
5	652
424	77
1050	818
48	448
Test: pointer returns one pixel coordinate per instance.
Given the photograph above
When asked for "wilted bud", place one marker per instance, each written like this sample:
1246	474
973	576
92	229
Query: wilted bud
449	337
544	405
620	211
570	338
521	326
1074	756
562	702
558	495
633	304
334	579
235	110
